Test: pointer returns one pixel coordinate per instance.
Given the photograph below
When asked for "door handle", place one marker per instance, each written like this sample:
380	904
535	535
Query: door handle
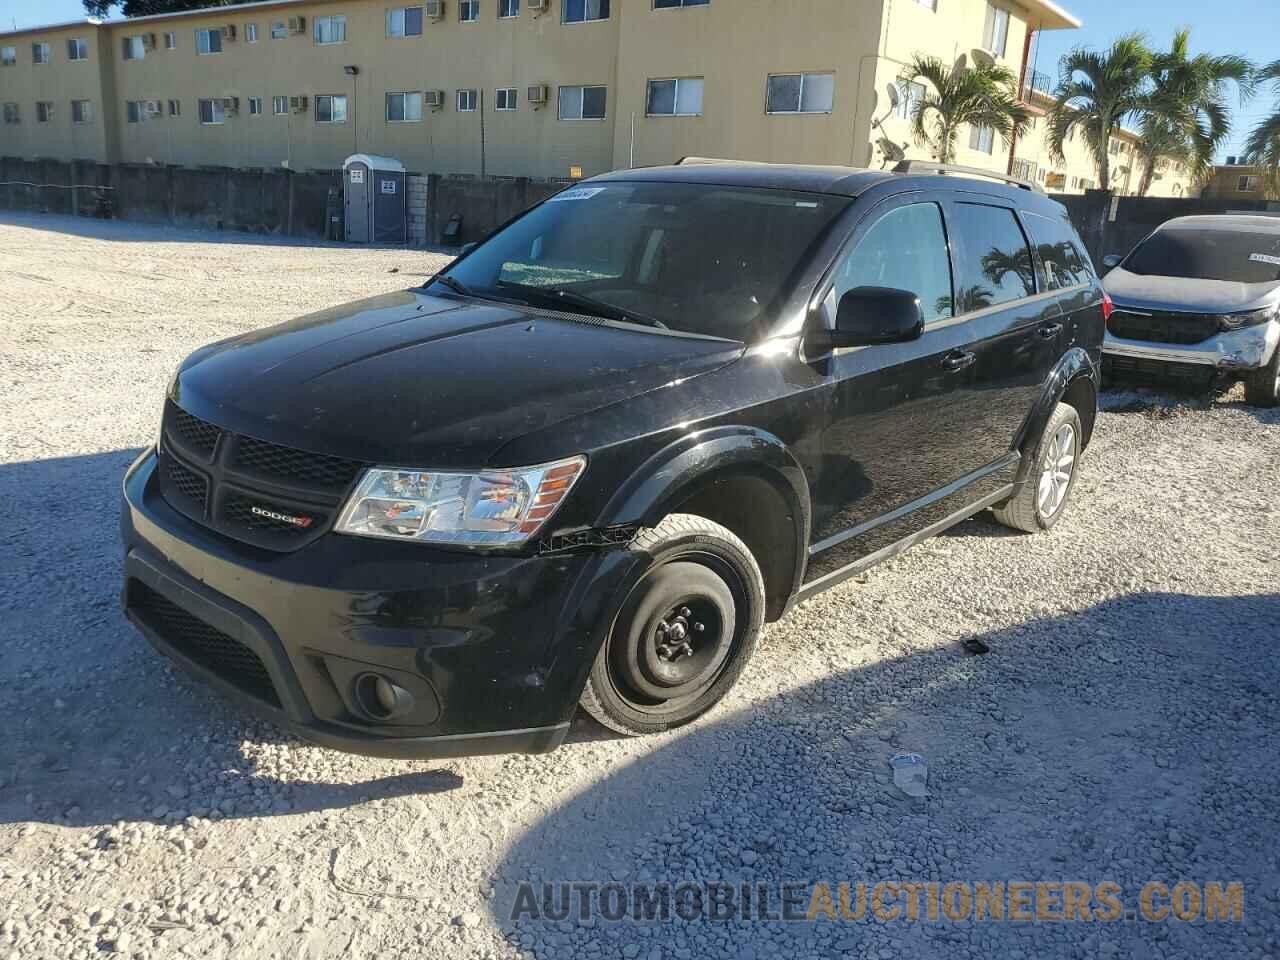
958	360
1049	331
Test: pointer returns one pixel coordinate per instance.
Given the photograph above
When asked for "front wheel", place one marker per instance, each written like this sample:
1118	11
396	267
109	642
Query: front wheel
684	633
1262	386
1042	500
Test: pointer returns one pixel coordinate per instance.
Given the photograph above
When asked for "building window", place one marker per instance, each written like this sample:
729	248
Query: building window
331	109
255	106
171	41
12	114
982	139
681	97
467	100
995	37
404	107
44	111
81	111
134	48
583	103
583	11
404	22
175	108
251	33
77	49
508	9
208	41
134	112
506	99
468	11
331	30
910	93
8	56
1247	184
279	30
39	53
801	92
212	112
279	106
673	4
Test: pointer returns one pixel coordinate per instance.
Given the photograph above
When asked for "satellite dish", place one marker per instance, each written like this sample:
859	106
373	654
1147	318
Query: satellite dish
892	152
983	56
895	95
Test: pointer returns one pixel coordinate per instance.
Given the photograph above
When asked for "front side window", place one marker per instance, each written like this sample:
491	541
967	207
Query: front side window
331	109
801	92
995	36
508	9
404	22
982	139
77	49
44	111
583	103
8	56
39	53
212	112
712	260
996	266
208	41
906	249
675	98
583	11
1063	263
81	111
468	10
1236	256
331	29
404	107
506	99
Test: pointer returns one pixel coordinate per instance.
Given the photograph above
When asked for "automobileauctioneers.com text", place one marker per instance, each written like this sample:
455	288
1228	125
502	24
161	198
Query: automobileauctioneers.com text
1030	901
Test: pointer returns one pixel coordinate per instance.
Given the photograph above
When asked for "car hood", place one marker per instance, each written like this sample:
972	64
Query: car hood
416	380
1186	295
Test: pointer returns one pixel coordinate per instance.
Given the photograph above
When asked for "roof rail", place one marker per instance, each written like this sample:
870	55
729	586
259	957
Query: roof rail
950	169
687	161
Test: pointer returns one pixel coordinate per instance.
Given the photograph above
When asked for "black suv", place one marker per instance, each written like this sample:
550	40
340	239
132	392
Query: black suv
586	462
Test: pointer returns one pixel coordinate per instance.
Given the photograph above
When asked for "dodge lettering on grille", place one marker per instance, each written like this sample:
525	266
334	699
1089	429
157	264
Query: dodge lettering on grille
288	518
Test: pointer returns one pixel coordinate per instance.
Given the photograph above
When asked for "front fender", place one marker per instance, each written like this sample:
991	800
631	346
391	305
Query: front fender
1074	365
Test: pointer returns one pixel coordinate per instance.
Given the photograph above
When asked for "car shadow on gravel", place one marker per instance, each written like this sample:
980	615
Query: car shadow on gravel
95	726
1128	742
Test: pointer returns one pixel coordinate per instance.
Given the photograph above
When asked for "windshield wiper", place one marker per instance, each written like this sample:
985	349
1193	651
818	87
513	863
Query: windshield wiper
560	296
457	286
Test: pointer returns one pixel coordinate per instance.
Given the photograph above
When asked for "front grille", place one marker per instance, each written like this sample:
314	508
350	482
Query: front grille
294	467
225	656
1180	328
194	433
186	483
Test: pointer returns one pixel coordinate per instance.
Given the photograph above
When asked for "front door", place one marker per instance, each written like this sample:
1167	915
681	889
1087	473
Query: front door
356	191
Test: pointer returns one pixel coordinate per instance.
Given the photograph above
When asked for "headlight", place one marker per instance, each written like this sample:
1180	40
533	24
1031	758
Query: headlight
1238	321
489	508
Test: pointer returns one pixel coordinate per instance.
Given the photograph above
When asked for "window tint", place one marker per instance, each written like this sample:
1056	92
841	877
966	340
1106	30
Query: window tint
996	264
905	250
1065	264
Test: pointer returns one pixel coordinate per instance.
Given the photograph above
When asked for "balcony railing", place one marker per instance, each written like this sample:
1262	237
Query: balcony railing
1036	82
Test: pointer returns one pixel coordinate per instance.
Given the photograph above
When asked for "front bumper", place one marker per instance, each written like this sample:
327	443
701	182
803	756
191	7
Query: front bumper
494	649
1239	350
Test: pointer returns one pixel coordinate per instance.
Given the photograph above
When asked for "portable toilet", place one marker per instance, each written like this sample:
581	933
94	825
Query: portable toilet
376	201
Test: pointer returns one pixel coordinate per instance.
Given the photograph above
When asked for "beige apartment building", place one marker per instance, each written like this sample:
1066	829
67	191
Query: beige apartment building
1238	181
541	88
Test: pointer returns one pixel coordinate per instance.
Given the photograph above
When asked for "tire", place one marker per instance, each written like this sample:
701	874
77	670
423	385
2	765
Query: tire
704	589
1262	386
1032	508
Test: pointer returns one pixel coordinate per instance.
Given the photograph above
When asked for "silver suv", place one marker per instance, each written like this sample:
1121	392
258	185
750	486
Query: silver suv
1197	299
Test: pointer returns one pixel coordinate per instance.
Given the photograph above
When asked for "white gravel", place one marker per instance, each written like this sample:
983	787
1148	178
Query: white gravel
1123	726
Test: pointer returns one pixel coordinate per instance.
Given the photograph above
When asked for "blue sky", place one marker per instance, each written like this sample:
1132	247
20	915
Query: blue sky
1248	27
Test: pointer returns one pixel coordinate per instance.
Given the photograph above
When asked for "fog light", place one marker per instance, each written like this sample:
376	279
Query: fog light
380	698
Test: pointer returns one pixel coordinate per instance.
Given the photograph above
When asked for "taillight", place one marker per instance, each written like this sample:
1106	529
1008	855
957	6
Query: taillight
1108	308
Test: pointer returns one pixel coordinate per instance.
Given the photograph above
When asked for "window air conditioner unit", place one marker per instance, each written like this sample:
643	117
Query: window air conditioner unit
537	94
298	104
297	24
231	104
537	4
433	99
229	32
434	9
152	108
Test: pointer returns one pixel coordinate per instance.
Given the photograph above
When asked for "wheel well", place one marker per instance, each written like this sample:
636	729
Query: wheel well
1082	395
754	510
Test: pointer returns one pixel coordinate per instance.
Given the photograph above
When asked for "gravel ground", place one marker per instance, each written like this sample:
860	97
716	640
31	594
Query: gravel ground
1121	728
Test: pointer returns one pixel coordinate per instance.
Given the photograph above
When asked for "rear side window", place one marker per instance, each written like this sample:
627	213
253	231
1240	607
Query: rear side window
1061	254
905	250
995	266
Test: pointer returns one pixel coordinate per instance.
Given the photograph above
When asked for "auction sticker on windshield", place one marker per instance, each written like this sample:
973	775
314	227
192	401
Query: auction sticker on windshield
1265	258
577	193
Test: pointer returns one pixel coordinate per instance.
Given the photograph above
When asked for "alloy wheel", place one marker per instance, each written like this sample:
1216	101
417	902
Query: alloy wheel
1056	470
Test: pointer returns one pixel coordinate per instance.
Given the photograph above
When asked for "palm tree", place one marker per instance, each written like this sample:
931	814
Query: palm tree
1096	93
1263	146
1187	117
981	95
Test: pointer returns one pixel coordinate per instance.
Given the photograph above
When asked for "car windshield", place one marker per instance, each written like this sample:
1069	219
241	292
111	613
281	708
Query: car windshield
1240	257
710	260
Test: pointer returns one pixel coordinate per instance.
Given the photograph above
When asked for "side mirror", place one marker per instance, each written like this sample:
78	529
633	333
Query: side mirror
1111	261
869	316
